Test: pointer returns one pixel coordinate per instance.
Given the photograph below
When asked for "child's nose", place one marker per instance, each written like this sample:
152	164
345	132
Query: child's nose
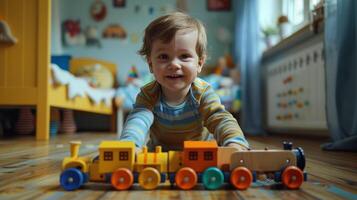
175	64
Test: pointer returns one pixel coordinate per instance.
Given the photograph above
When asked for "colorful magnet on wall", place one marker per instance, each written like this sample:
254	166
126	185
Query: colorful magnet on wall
98	10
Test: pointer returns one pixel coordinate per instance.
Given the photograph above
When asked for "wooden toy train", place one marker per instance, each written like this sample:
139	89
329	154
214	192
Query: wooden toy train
199	162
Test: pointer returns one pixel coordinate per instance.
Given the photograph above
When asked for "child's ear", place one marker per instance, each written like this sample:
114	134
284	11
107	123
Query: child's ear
201	62
150	64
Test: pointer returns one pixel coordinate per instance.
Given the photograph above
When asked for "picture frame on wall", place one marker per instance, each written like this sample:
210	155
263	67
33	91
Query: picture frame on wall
119	3
218	5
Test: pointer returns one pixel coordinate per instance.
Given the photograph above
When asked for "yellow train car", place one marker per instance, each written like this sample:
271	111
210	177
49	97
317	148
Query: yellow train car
115	164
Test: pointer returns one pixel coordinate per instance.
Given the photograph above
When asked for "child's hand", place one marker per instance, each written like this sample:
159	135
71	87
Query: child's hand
237	146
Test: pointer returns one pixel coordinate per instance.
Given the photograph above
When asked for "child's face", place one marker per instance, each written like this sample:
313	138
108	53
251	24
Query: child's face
176	64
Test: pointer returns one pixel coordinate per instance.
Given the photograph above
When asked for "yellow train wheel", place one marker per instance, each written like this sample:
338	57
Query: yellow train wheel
149	178
122	179
186	178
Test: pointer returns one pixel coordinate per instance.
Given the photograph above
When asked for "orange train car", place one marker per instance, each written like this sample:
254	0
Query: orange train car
199	162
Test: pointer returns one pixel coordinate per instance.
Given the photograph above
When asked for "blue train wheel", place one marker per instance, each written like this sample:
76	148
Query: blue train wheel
212	178
71	179
300	158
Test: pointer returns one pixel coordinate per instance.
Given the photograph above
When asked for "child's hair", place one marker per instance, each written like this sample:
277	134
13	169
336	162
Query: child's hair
165	27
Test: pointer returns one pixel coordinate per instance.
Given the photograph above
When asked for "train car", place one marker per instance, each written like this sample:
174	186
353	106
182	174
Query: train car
286	166
116	164
195	164
204	162
199	162
111	161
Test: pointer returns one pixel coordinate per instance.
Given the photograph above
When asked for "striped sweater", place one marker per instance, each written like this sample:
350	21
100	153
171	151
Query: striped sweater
199	115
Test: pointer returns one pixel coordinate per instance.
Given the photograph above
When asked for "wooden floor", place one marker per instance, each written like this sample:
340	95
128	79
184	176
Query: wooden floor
30	170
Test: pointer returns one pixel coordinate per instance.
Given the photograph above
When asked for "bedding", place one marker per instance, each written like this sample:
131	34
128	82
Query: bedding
80	87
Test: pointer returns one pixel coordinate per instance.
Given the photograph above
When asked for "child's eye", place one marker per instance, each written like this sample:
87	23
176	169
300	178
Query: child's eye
185	56
163	57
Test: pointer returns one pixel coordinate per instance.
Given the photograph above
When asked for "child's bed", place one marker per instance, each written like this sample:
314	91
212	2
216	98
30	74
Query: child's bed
25	73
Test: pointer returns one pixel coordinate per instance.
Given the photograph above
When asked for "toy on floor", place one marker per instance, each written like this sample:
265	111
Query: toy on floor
199	162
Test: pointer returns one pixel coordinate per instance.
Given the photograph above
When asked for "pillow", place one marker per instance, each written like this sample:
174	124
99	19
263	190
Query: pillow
96	75
61	60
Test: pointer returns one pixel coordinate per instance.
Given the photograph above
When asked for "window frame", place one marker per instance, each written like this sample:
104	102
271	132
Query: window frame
108	156
288	9
192	155
208	155
123	155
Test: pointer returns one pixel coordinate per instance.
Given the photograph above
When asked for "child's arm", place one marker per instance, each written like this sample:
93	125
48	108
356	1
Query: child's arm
237	146
137	126
220	122
139	121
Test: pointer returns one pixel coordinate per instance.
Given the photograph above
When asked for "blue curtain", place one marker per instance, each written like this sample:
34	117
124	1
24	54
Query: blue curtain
247	55
341	73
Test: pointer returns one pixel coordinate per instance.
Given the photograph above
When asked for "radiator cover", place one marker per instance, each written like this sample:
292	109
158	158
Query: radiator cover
295	88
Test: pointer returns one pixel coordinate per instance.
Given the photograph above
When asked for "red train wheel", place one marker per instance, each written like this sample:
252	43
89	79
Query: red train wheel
122	179
292	177
186	178
241	178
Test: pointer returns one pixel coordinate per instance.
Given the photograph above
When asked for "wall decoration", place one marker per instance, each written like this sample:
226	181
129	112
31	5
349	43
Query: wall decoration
71	33
92	38
118	3
219	5
114	31
98	10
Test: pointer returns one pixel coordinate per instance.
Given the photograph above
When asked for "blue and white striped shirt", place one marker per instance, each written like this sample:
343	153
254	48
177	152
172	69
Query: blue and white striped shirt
169	126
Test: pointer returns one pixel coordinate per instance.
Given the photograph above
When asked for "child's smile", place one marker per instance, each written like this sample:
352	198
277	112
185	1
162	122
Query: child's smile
174	76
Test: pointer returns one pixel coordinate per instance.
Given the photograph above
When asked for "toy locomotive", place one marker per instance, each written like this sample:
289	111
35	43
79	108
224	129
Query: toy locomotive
199	162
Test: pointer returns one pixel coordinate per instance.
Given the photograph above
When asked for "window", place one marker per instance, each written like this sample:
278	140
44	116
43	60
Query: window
298	11
108	155
193	155
124	155
313	3
295	11
208	155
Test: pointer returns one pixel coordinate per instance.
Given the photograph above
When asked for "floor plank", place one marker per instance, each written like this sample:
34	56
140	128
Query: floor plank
30	170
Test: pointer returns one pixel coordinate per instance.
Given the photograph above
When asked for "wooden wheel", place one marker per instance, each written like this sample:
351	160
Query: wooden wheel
186	178
122	179
149	178
241	178
292	177
212	178
71	179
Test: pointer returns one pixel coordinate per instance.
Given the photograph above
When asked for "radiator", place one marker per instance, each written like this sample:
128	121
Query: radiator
295	89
